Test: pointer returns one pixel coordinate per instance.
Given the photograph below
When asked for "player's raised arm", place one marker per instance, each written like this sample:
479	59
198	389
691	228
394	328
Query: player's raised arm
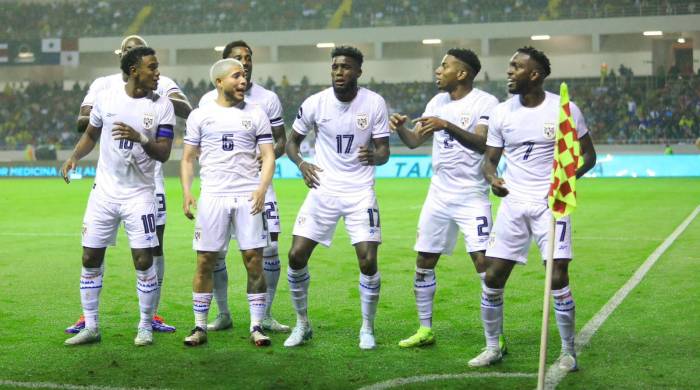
410	138
492	156
84	146
189	155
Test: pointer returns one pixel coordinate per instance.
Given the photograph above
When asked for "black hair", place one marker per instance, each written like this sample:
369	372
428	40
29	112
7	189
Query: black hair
538	57
133	57
229	48
468	57
348	51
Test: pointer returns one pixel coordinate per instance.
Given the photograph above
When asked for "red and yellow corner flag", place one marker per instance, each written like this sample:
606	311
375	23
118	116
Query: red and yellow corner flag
567	158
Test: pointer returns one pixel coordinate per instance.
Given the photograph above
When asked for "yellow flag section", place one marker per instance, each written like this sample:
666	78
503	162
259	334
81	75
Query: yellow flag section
567	158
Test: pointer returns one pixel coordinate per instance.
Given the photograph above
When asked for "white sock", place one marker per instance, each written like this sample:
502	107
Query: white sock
146	288
159	264
90	287
256	302
299	289
200	306
221	283
565	313
491	314
482	277
271	267
424	287
369	297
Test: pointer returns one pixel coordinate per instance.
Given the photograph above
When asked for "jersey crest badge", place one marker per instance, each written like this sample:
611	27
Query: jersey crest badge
465	120
148	121
549	130
362	121
197	234
247	123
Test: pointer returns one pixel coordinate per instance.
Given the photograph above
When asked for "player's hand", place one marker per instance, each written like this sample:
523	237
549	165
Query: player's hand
189	203
68	166
257	201
365	155
498	186
397	120
310	174
123	131
429	124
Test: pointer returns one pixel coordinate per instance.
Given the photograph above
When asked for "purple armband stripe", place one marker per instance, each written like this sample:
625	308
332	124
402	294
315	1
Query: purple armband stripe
264	136
165	131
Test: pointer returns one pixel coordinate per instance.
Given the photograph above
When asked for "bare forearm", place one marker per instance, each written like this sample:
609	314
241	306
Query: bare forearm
157	150
589	160
82	123
268	170
84	146
469	140
280	136
186	175
408	137
292	149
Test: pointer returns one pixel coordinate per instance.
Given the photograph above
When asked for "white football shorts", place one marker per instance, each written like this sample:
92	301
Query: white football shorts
320	213
102	219
443	217
218	217
517	223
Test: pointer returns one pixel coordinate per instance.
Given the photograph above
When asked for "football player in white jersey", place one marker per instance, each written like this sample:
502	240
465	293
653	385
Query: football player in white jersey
134	129
524	127
225	137
352	137
270	104
457	118
166	88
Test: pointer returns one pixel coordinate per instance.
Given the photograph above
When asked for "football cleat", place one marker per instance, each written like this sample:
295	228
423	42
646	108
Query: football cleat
567	362
144	337
258	337
84	336
367	340
271	324
222	321
300	335
502	344
198	336
77	327
487	357
159	325
424	336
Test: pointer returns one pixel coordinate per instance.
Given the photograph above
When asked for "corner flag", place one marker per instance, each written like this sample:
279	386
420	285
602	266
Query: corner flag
567	158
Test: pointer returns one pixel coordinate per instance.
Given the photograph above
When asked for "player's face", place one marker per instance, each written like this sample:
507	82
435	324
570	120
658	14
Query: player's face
520	73
449	73
243	55
344	74
234	84
130	44
146	73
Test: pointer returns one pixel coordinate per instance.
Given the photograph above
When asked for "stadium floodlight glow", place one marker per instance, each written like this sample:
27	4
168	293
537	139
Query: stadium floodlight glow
219	48
681	40
540	37
325	45
432	41
654	33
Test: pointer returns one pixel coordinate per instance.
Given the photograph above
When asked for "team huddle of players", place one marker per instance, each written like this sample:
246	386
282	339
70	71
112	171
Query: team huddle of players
236	134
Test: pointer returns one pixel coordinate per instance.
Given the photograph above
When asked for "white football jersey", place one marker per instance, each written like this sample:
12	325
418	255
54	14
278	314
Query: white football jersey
527	136
165	87
228	138
341	128
457	169
266	99
124	171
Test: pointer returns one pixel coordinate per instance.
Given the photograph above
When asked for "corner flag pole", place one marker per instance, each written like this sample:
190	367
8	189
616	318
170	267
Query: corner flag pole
545	308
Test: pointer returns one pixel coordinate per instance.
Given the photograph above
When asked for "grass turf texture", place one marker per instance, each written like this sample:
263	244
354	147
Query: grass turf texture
648	341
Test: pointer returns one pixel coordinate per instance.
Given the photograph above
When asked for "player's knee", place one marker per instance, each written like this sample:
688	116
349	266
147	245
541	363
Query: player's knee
368	265
494	278
560	279
91	260
427	260
298	258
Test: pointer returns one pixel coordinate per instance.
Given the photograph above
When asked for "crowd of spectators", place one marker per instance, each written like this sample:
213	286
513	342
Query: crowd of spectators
618	110
73	19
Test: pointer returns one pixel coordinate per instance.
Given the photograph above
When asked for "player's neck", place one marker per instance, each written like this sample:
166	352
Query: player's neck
532	98
133	90
460	91
249	86
346	97
227	101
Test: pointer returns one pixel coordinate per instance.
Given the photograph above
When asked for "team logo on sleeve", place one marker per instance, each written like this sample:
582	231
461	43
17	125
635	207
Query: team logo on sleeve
465	120
148	121
549	130
362	121
247	123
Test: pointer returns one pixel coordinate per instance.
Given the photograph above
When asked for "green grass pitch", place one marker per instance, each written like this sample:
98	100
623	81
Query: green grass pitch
649	342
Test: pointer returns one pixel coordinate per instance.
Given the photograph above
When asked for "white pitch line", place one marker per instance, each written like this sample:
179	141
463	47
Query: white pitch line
554	374
62	386
438	377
